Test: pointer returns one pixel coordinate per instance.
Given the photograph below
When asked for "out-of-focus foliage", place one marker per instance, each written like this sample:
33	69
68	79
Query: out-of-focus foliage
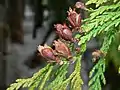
104	20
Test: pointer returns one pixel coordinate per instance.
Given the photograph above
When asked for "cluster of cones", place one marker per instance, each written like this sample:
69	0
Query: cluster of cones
66	34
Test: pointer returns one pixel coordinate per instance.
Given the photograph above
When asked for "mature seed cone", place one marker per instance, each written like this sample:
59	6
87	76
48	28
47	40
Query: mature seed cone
62	49
48	53
64	32
74	18
80	5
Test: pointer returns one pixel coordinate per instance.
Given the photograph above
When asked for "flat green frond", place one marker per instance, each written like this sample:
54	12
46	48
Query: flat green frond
59	77
97	73
41	86
103	9
100	2
100	24
30	82
74	79
42	79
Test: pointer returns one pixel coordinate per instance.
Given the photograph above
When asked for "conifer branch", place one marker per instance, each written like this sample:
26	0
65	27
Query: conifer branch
104	20
30	81
97	73
45	78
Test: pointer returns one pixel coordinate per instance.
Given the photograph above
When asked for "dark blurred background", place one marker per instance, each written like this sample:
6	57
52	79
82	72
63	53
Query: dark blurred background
24	24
